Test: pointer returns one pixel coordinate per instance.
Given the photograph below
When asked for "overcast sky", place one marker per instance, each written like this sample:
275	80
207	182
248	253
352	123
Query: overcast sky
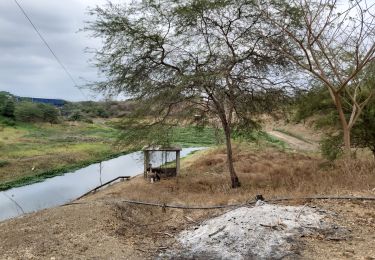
27	68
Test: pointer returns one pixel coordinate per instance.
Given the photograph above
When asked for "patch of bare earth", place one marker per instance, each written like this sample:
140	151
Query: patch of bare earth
294	142
103	227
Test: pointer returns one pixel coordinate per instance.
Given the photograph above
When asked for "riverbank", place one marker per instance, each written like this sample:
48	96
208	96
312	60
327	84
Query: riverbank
101	226
33	152
30	153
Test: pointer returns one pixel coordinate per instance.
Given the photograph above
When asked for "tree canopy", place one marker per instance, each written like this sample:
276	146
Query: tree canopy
332	41
191	59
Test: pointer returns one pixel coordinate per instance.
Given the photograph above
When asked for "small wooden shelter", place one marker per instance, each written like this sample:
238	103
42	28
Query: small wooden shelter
163	168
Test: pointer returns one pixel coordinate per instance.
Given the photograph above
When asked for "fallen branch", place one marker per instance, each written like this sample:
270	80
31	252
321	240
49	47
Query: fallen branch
275	227
218	231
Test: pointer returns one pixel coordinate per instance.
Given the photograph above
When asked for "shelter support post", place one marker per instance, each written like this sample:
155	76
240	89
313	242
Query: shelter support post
146	162
177	162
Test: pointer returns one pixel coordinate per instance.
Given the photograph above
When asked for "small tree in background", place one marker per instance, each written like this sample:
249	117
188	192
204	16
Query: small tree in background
332	43
50	113
316	102
6	104
8	109
28	112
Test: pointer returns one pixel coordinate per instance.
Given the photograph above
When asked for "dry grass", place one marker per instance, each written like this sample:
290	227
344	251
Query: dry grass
205	181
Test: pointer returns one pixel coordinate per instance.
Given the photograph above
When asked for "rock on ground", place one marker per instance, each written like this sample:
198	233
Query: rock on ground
261	232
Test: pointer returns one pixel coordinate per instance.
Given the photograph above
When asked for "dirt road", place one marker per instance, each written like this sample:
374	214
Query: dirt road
294	142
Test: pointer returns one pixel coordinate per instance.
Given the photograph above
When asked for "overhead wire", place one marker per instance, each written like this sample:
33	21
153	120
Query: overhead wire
50	49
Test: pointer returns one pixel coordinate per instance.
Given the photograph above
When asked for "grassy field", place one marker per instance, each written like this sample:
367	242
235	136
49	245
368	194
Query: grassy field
32	152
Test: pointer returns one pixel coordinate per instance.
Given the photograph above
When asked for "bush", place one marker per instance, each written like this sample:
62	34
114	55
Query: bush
6	104
8	109
363	134
7	122
28	112
50	113
33	112
88	120
76	116
331	147
3	163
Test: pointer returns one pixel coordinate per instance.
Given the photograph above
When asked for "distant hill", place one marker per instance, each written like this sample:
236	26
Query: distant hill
50	101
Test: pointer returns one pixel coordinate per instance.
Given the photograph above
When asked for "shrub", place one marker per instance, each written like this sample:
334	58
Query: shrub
331	147
34	112
3	163
363	134
88	120
50	113
28	112
7	122
8	109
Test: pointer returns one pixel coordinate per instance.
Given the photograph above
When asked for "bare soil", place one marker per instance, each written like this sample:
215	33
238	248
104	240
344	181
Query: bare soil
294	142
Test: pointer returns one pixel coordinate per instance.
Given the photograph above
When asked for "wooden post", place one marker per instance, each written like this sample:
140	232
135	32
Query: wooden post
177	162
146	162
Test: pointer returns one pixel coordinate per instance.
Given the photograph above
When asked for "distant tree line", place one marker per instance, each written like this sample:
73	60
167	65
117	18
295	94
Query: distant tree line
26	111
87	110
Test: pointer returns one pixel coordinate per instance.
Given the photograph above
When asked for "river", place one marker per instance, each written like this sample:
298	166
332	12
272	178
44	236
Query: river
62	189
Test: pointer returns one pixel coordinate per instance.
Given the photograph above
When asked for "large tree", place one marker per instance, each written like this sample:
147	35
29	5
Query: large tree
334	42
195	58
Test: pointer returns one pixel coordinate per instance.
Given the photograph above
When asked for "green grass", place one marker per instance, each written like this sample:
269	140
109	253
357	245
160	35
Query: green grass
3	163
258	138
32	152
193	136
261	138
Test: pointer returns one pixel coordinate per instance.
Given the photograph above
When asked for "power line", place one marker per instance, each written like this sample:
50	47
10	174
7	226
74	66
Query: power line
49	48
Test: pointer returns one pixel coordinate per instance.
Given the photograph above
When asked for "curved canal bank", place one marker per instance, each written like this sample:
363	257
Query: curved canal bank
59	190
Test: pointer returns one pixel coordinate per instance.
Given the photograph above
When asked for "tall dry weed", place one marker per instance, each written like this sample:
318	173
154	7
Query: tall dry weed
204	179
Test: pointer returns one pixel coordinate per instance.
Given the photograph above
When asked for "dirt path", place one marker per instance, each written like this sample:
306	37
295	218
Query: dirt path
294	142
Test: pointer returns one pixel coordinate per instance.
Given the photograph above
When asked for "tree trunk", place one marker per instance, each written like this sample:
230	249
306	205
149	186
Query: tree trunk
233	176
373	152
347	144
344	124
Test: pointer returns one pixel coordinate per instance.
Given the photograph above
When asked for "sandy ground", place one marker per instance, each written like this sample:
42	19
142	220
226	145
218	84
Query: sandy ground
99	228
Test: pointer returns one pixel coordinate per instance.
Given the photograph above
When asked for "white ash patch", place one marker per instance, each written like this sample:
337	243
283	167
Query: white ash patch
262	232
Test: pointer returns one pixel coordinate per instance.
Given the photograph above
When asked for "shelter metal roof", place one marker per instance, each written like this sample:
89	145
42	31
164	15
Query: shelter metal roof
162	148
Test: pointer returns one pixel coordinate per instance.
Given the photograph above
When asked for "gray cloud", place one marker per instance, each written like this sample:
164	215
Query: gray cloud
27	68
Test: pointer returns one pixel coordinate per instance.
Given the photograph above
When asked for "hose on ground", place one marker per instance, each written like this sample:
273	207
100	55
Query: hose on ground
321	197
